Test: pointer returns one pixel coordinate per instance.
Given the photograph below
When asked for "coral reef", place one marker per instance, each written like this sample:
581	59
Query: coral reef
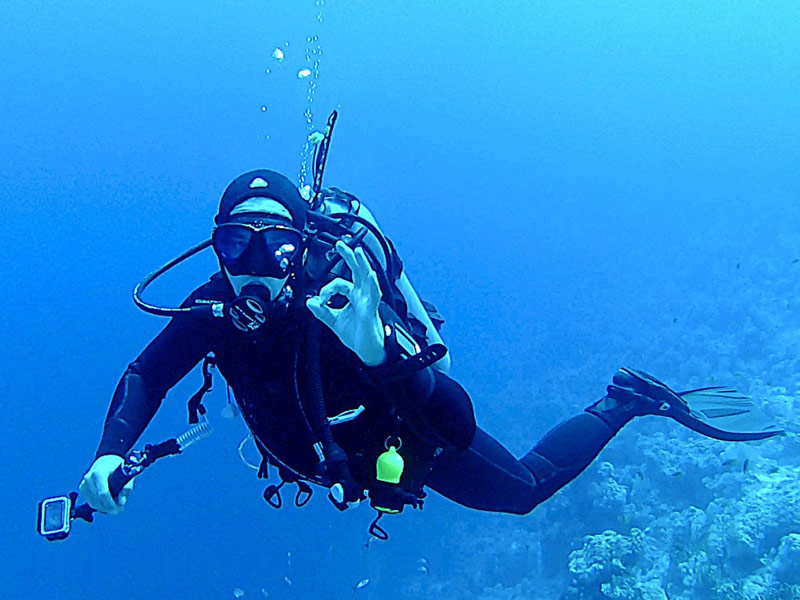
664	513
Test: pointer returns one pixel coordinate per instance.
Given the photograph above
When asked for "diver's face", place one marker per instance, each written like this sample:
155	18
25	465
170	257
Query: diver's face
255	216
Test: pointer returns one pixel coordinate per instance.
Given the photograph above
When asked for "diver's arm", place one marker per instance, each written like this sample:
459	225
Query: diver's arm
409	293
144	384
165	361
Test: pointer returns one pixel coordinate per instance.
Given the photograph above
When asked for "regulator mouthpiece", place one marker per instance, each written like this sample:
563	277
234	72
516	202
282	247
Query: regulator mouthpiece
248	312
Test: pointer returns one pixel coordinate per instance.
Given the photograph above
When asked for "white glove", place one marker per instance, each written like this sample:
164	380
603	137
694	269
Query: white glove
357	324
94	485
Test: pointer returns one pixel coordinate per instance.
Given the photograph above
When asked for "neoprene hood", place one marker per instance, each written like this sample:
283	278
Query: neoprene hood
263	183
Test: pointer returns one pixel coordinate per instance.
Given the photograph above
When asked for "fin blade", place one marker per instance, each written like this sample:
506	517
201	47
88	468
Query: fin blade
727	414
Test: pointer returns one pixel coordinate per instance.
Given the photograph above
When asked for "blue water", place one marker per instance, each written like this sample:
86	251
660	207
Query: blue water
576	186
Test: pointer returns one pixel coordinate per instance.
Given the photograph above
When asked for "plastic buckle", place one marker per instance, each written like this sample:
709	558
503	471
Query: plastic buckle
304	493
272	495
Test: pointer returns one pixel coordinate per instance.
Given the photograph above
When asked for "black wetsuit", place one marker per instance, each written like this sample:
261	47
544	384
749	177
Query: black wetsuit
431	413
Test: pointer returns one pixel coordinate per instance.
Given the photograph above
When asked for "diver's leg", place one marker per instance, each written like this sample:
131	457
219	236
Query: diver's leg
486	476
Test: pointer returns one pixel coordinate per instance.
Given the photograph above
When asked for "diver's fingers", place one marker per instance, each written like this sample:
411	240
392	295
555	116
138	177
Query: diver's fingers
94	488
87	490
365	279
337	286
346	252
364	268
356	261
318	305
94	485
124	494
321	311
367	275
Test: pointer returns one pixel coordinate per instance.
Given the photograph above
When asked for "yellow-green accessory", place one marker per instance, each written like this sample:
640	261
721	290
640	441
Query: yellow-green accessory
389	466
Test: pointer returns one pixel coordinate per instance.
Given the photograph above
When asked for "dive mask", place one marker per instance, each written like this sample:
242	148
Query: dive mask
261	248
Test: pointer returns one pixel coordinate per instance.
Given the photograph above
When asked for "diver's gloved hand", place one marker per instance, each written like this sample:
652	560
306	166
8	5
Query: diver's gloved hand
345	495
357	324
344	491
94	485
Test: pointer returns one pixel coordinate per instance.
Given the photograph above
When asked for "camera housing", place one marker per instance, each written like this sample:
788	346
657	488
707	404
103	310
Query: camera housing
55	517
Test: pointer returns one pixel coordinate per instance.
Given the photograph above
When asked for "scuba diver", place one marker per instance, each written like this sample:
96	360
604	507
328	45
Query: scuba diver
341	375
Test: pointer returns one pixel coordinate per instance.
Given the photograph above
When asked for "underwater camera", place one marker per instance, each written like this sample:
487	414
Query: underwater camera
55	517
